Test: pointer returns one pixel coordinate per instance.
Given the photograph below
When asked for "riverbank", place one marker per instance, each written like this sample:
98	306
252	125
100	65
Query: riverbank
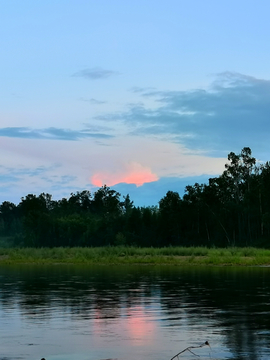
132	255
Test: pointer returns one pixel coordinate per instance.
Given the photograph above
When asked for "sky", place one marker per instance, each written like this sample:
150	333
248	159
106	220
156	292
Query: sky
145	96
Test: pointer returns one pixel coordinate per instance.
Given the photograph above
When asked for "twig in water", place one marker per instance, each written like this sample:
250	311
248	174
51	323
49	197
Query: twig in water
189	349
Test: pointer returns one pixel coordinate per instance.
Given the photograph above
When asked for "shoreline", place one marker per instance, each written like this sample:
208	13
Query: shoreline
177	256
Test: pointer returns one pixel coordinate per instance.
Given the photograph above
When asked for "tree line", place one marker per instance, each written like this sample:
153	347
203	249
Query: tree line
233	209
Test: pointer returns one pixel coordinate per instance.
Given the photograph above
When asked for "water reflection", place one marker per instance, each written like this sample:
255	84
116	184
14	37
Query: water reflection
117	312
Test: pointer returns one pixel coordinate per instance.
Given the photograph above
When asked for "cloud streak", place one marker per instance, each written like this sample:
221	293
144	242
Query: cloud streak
51	133
95	73
93	101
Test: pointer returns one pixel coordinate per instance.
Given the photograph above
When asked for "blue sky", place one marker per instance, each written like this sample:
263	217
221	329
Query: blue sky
144	96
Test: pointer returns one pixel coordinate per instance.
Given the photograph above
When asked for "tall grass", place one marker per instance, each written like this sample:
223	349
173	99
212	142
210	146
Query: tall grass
136	255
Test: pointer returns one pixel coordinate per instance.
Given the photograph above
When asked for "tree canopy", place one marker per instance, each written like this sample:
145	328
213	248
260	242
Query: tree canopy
231	209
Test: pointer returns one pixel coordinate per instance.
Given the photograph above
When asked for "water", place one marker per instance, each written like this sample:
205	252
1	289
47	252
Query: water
117	312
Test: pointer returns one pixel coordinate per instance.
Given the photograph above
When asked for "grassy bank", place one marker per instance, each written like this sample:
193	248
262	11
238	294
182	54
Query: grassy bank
134	255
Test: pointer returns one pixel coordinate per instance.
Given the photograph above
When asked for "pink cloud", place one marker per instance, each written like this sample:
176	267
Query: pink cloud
135	173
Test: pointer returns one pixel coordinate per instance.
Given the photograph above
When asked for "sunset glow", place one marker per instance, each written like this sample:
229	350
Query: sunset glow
134	173
115	101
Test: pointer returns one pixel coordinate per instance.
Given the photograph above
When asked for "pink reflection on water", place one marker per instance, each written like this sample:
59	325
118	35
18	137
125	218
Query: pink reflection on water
140	326
134	327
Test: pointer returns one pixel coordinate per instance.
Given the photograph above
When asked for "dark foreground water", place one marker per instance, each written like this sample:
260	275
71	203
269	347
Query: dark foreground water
143	313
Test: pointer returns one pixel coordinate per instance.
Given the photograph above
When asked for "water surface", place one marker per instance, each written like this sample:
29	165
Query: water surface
118	312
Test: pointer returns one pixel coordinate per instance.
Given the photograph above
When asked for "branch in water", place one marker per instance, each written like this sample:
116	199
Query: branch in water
189	349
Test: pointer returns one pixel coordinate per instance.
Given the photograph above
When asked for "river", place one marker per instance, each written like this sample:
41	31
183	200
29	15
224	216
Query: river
133	312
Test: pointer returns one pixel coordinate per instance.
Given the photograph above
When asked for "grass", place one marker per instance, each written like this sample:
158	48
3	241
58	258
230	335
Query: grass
135	255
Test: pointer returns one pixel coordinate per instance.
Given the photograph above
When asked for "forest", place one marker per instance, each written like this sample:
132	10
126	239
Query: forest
233	209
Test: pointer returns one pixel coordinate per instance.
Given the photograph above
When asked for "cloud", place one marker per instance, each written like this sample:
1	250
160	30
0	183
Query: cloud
134	173
178	134
232	113
95	73
60	168
51	133
19	181
138	89
93	101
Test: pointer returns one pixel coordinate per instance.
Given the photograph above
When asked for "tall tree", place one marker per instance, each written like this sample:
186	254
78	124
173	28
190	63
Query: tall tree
170	218
8	216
